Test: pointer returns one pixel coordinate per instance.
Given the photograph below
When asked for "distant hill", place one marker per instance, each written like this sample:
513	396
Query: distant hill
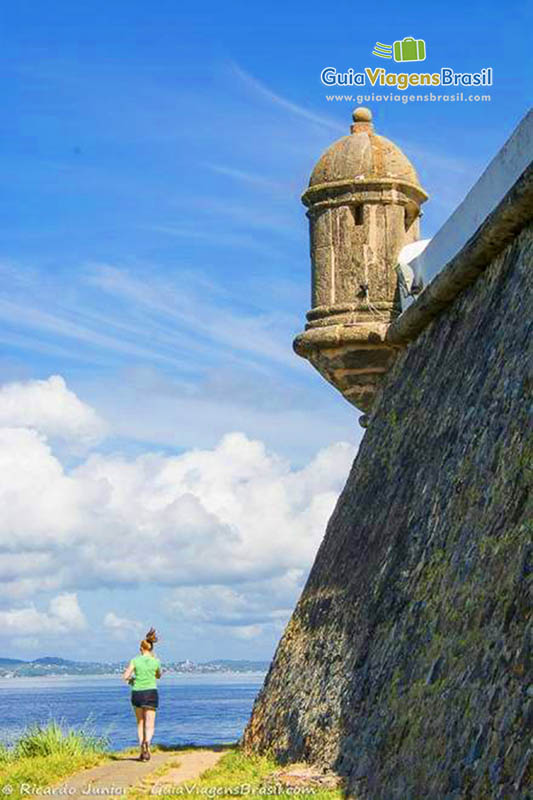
53	666
238	666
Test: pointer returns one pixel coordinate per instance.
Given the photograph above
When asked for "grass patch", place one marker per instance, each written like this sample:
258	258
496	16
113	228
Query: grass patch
235	768
56	739
241	775
45	754
42	771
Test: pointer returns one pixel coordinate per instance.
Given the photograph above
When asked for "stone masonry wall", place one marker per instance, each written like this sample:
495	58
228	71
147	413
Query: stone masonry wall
406	665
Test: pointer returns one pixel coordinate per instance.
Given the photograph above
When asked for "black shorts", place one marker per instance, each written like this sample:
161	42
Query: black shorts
145	698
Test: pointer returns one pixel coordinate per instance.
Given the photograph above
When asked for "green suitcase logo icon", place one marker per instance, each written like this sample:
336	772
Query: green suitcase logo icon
410	49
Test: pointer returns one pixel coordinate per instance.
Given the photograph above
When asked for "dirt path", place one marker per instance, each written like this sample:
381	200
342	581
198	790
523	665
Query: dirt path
191	766
114	778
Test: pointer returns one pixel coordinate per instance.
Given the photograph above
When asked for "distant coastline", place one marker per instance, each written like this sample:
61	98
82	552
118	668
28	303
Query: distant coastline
51	666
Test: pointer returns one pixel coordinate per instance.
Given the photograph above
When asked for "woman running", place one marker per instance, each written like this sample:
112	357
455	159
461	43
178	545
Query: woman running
142	673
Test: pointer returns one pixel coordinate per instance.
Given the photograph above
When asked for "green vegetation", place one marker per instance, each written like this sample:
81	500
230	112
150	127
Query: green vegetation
45	754
56	739
251	776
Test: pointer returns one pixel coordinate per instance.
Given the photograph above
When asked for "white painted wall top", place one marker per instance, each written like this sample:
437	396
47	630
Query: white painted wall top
498	178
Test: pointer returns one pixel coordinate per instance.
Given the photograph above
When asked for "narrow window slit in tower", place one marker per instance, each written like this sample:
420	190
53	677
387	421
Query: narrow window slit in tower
358	214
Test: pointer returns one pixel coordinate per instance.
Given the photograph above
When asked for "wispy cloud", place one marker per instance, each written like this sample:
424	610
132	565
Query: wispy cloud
253	334
185	321
180	273
282	102
238	241
248	177
436	159
238	213
34	318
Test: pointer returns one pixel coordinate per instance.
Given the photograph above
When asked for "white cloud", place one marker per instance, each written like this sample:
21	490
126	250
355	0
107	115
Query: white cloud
247	631
40	506
63	616
231	530
231	514
127	321
245	612
50	408
121	627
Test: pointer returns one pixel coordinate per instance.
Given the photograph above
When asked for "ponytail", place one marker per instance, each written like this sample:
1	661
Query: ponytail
149	640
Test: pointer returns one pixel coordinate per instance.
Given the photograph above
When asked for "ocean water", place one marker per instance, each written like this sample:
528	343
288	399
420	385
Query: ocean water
196	709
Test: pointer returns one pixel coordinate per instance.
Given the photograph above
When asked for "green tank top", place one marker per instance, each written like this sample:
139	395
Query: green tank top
145	668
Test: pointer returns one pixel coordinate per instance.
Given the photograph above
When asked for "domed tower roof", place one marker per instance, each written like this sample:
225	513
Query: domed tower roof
363	204
362	157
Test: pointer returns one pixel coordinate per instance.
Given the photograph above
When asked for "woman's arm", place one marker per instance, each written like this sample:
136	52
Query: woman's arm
128	672
158	673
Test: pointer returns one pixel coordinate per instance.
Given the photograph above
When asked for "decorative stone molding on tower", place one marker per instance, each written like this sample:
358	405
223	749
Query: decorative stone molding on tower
364	202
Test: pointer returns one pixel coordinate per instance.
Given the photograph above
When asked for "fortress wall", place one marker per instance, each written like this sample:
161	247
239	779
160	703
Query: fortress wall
406	665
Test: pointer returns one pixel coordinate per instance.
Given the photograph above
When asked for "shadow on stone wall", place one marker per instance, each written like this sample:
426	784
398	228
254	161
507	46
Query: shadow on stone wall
405	666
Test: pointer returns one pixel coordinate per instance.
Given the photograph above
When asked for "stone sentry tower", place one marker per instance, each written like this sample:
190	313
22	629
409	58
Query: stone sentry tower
364	202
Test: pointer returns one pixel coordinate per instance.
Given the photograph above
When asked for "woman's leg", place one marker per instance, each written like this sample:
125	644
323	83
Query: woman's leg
150	723
139	715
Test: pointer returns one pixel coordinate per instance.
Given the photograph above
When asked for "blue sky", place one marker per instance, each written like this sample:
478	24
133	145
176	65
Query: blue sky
155	256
